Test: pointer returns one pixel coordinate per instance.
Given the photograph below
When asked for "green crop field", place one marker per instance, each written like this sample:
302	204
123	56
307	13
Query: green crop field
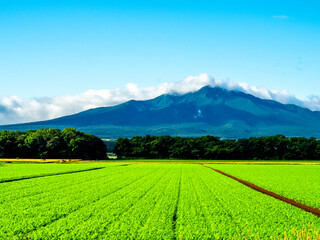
10	172
298	182
144	201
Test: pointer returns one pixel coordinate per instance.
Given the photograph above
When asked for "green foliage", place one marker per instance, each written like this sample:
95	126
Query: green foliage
51	143
9	143
298	182
144	201
208	147
12	172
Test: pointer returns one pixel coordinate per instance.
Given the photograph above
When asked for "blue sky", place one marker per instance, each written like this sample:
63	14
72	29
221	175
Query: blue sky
53	48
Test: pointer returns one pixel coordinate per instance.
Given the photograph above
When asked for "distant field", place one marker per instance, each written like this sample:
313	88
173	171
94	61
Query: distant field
149	201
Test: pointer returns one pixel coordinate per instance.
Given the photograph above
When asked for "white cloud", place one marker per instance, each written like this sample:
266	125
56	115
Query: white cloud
17	110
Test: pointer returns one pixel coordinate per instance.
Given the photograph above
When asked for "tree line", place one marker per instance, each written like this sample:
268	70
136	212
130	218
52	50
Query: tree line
51	143
209	147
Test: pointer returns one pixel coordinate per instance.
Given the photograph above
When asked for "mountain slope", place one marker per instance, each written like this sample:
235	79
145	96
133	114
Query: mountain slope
214	111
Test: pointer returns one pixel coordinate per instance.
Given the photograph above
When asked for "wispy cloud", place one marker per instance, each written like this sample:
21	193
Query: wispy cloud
14	109
281	17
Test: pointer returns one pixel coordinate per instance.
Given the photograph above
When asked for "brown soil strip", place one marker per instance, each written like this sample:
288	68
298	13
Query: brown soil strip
306	208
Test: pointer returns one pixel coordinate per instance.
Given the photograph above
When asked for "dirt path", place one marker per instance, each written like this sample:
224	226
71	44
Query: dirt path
306	208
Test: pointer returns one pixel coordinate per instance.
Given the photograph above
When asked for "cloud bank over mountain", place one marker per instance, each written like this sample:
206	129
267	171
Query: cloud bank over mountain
17	110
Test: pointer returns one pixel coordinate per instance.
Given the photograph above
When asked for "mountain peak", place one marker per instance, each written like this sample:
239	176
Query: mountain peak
210	110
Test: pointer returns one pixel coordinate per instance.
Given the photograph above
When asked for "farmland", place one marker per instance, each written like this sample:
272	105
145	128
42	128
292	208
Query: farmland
147	201
298	182
24	171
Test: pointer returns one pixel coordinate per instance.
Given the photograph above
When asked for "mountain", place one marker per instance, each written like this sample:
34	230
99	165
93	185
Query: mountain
214	111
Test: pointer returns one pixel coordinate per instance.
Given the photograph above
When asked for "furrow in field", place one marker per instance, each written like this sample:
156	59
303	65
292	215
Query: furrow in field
203	189
175	212
181	201
95	200
298	182
49	175
203	210
22	171
159	224
13	192
53	211
96	217
222	211
154	211
272	194
37	199
190	213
